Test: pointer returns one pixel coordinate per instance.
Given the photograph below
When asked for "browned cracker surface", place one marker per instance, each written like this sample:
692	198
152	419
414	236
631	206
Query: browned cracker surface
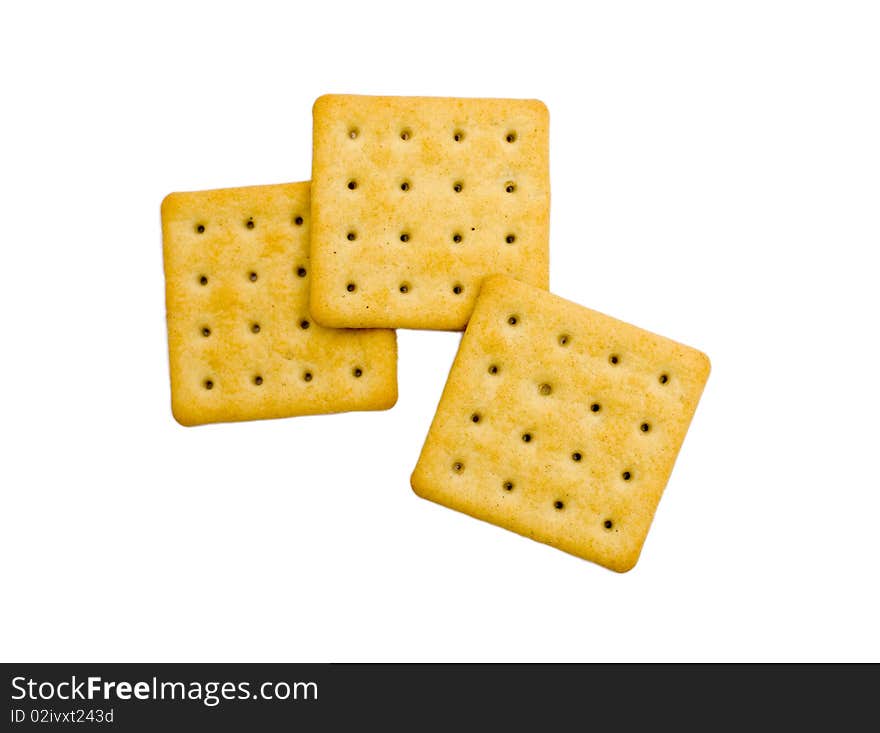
416	199
242	344
560	423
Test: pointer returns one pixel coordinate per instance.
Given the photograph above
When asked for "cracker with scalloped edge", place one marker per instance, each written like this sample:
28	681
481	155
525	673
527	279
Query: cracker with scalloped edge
416	199
560	423
242	344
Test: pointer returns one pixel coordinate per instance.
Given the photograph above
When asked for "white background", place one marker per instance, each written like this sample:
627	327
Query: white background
715	178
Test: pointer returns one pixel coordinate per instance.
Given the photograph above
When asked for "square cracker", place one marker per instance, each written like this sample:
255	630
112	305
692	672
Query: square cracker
415	199
560	423
241	342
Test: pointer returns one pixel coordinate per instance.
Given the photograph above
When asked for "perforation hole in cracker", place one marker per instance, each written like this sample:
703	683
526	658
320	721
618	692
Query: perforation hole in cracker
591	430
241	340
443	167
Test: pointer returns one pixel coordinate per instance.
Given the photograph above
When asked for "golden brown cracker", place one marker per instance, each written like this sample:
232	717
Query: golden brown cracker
242	344
560	423
416	199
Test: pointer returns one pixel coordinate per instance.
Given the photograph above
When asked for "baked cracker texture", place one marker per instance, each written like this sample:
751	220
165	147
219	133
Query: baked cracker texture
416	199
242	344
560	423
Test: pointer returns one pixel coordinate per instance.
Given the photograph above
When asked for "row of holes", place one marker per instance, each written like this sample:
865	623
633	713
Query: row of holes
458	466
508	486
564	340
307	376
249	223
255	327
458	136
644	427
545	389
405	287
457	186
457	237
253	277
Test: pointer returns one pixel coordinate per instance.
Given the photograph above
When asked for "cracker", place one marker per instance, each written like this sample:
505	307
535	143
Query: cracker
415	199
560	423
241	342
